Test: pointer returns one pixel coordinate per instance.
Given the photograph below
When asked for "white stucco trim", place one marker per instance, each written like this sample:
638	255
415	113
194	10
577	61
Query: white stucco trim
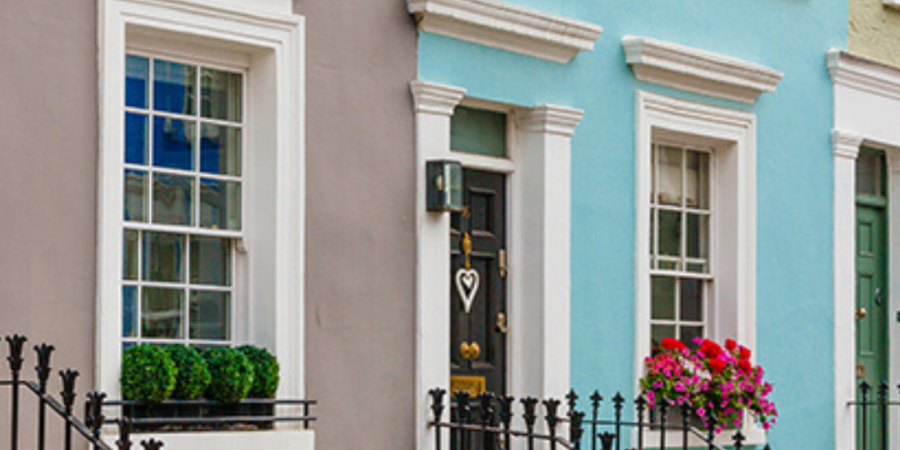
509	27
271	41
866	108
732	134
697	70
539	246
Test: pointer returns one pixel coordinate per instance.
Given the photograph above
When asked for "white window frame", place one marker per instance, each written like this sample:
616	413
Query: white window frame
732	135
539	167
267	38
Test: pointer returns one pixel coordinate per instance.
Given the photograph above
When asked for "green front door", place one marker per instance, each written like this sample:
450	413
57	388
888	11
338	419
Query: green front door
871	291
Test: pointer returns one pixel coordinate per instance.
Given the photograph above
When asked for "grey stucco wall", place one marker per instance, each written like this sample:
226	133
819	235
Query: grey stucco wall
360	238
48	177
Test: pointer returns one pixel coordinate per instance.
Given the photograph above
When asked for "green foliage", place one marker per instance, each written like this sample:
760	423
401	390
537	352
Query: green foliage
231	372
147	374
265	371
193	376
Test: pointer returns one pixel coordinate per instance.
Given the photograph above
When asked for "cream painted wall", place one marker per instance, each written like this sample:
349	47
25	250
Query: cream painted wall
874	31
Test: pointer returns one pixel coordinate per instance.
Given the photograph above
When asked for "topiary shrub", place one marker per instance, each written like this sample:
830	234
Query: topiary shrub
231	372
265	371
193	376
148	374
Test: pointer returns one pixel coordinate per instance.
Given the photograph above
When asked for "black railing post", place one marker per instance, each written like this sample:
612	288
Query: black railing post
462	408
15	366
596	398
68	395
618	401
506	415
124	442
711	424
739	440
663	419
94	415
640	404
606	440
43	369
685	424
486	401
551	406
882	406
306	415
864	389
437	410
530	417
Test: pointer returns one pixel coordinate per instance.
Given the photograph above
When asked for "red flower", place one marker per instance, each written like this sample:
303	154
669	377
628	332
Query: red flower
745	365
672	344
745	353
710	349
716	365
730	345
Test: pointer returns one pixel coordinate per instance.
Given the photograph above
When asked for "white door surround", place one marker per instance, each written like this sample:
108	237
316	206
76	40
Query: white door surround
539	241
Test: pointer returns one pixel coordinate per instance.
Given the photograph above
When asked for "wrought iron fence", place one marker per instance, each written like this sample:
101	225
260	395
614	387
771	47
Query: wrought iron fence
873	408
172	415
87	429
489	422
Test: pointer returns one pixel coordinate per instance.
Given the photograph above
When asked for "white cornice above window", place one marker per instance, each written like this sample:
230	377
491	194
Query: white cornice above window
508	27
698	71
268	6
864	75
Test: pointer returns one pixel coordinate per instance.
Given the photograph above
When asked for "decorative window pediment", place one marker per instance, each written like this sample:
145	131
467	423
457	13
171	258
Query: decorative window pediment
508	27
698	71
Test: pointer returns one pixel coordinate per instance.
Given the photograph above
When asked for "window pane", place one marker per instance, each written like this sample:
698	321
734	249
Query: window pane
478	131
698	236
137	74
670	176
172	199
161	311
130	255
163	257
691	300
210	315
220	150
136	196
174	87
660	332
220	204
136	134
669	233
869	172
221	94
689	333
210	261
663	302
173	143
697	180
129	311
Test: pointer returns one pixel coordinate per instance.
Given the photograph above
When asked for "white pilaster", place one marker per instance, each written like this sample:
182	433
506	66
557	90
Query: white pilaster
846	149
434	105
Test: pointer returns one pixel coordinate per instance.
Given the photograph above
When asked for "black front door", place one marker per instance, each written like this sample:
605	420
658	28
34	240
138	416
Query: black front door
478	285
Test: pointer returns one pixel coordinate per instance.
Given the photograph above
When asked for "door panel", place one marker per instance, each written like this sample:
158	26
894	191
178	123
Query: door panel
484	219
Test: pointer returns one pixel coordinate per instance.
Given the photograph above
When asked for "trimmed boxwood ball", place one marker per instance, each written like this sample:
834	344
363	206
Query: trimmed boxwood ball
148	374
231	372
193	376
265	371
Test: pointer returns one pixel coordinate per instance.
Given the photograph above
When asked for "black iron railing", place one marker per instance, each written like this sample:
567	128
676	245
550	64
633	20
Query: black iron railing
873	408
489	422
209	415
87	430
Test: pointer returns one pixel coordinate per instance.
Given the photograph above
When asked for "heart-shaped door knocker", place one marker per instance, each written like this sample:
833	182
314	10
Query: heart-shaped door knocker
467	281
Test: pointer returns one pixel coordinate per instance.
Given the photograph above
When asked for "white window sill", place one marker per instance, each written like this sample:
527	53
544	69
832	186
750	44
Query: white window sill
225	440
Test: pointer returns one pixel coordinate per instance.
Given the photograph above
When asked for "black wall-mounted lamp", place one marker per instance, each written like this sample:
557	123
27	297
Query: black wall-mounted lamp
444	185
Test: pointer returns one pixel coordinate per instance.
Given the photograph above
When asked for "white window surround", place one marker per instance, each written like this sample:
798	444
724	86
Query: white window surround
509	27
539	246
732	134
697	70
866	107
268	41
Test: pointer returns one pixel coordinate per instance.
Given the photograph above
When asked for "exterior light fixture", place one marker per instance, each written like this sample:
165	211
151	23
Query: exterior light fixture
444	179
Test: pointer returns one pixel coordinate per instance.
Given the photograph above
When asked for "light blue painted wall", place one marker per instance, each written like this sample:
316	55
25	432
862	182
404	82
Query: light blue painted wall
794	176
